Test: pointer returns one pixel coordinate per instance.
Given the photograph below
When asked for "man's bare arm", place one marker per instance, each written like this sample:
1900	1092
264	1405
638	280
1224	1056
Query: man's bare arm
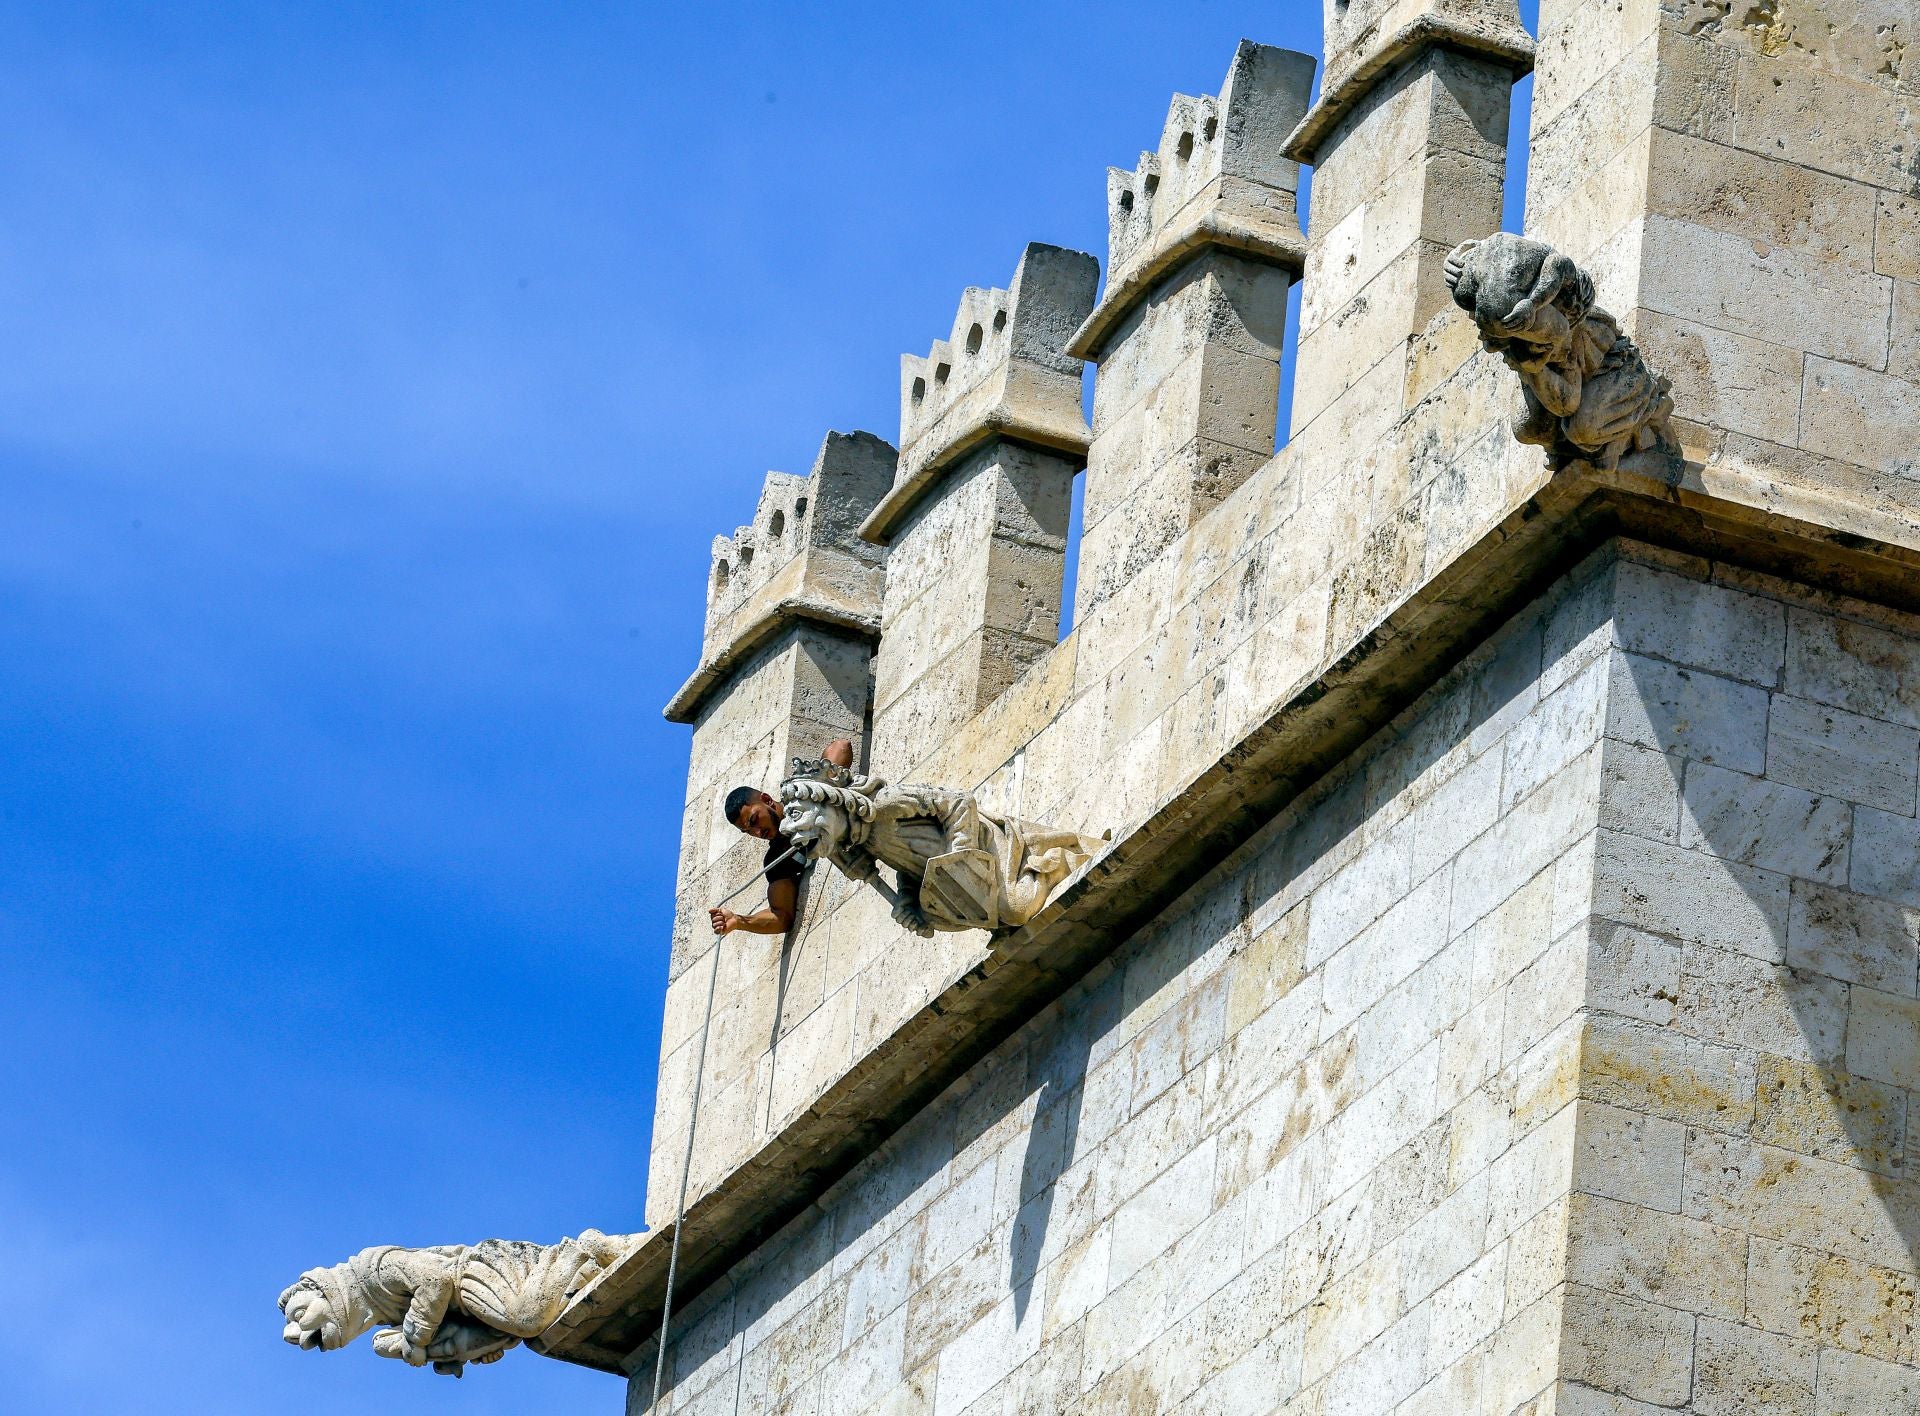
776	918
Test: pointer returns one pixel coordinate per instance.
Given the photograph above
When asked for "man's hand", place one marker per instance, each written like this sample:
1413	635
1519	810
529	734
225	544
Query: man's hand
724	921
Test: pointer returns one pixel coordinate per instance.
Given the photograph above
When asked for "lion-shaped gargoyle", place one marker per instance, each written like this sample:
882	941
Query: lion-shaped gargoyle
1586	391
958	867
450	1305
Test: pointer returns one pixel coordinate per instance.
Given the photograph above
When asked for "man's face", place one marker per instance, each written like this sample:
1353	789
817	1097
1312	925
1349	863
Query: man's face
761	819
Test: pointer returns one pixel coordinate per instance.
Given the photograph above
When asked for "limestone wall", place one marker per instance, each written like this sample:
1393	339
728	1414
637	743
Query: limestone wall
1280	1143
1555	1057
1740	181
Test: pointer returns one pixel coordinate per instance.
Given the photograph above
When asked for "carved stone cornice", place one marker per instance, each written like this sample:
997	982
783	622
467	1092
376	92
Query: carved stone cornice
1350	81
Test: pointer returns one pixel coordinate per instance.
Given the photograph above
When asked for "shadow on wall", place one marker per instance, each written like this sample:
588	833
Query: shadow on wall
1775	927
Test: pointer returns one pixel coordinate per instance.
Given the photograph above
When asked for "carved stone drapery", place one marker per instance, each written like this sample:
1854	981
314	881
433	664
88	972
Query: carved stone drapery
1586	391
958	867
448	1305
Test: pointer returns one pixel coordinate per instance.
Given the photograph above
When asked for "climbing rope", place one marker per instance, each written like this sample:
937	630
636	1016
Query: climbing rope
693	1120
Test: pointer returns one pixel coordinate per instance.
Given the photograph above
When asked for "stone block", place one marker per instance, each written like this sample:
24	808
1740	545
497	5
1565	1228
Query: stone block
1715	278
1742	1371
1640	790
1852	1385
1544	994
1882	1029
1466	1312
1856	938
1896	235
1691	895
1666	80
1404	937
1635	1067
1530	1175
1862	416
1433	195
1781	1194
1633	973
1847	664
1761	822
1886	855
1708	627
1824	1112
1631	1157
1826	121
1661	1257
1384	569
1374	324
1865	760
1865	40
1267	970
1580	46
1763	198
994	1346
1626	1346
1725	380
1903	353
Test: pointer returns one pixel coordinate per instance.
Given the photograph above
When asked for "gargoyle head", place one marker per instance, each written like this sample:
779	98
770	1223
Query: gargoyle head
824	808
322	1312
1523	295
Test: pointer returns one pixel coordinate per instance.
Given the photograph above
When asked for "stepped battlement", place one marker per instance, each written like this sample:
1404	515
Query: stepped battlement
1220	176
801	557
1003	371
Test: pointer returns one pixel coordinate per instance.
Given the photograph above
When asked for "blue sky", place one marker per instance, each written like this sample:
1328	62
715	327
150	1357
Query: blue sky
378	377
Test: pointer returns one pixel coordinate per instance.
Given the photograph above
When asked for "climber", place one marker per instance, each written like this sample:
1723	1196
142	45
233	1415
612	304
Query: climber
758	815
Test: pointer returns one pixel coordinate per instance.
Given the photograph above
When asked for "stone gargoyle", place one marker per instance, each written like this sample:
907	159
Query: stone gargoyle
1586	391
958	867
449	1305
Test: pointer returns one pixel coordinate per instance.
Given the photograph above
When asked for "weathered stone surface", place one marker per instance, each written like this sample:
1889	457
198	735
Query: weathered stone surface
801	559
1862	416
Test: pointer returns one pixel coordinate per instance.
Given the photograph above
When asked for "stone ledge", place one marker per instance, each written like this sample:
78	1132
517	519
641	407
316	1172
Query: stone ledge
1004	421
754	634
1573	512
1345	91
1173	247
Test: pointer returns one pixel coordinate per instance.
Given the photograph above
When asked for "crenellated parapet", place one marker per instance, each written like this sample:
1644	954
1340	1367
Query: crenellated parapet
1409	146
991	436
1220	177
1003	372
1204	241
801	558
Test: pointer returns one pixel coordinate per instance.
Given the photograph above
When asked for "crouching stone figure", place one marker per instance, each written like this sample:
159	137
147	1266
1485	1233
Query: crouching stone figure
958	867
449	1305
1586	393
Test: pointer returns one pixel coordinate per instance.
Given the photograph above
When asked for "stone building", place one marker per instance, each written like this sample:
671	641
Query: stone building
1496	988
